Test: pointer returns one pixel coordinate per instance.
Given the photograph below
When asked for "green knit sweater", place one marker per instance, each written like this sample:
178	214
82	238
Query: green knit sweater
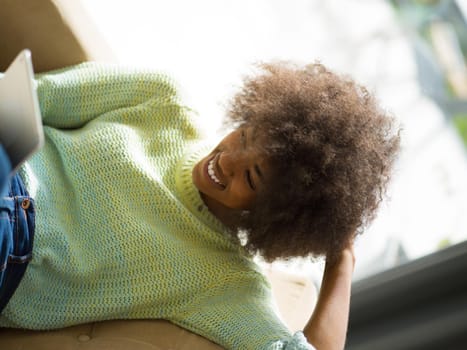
121	232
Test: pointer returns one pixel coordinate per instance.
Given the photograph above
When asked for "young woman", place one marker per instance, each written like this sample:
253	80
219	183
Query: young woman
137	217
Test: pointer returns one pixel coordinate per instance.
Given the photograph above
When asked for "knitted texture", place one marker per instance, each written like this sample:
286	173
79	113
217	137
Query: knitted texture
121	232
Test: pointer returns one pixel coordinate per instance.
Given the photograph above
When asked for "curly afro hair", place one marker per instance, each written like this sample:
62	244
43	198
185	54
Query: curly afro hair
331	150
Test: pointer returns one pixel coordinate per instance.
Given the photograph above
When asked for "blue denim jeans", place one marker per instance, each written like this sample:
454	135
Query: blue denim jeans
16	230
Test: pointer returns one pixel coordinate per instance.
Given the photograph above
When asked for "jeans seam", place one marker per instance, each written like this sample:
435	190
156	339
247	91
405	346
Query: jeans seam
16	225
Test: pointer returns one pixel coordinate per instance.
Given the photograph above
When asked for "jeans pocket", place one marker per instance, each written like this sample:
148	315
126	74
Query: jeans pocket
16	239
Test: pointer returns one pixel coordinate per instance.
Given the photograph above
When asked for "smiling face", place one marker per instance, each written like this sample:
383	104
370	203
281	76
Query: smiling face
233	173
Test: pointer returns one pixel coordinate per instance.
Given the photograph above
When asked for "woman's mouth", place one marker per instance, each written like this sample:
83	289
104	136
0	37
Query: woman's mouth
212	174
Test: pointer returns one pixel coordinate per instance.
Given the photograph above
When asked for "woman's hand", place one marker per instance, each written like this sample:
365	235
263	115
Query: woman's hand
327	327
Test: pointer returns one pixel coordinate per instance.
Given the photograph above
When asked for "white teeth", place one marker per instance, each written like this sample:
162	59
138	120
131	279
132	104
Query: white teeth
211	172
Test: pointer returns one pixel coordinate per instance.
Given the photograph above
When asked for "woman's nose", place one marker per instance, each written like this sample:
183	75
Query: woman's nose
229	162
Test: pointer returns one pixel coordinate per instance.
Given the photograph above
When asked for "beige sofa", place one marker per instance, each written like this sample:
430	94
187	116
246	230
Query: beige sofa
61	33
295	296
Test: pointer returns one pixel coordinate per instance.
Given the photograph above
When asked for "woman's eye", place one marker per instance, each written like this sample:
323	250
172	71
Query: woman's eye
243	138
249	180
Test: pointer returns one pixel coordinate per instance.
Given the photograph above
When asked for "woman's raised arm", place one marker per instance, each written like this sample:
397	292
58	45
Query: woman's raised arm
327	327
71	97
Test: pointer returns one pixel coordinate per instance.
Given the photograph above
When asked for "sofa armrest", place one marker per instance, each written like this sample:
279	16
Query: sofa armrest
59	33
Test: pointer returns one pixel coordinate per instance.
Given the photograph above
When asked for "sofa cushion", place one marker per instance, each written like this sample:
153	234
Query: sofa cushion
295	296
111	335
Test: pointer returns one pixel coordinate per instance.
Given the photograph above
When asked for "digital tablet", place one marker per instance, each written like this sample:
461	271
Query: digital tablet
21	130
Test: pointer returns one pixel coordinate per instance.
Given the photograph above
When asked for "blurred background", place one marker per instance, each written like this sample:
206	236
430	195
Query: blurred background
410	53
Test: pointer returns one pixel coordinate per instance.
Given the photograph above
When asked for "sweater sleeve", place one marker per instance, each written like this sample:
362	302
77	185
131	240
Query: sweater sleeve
71	97
238	313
